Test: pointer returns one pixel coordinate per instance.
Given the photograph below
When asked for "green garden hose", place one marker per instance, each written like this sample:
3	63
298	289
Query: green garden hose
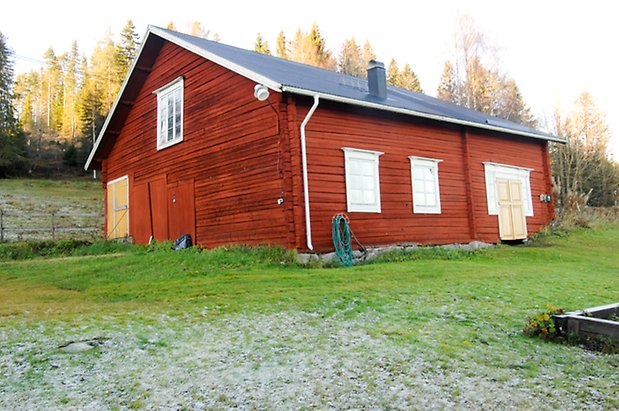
341	233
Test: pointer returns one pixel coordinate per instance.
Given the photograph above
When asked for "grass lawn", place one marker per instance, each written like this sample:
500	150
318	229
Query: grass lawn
250	329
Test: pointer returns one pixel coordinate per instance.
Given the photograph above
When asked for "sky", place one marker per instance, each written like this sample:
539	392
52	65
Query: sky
554	50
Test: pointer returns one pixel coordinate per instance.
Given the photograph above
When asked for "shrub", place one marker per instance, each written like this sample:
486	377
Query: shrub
543	324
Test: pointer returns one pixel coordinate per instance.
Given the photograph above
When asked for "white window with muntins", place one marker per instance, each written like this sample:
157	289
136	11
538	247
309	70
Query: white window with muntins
496	172
426	193
170	114
362	180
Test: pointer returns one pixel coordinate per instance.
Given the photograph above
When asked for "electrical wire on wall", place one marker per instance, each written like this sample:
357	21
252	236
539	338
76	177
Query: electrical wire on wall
342	234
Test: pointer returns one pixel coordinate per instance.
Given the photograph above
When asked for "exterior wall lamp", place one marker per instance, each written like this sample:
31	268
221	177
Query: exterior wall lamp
261	92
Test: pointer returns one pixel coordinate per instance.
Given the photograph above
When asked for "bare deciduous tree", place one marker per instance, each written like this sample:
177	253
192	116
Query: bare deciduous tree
580	167
473	79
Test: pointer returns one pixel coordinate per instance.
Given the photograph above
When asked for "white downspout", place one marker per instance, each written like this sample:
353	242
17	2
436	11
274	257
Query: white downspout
308	224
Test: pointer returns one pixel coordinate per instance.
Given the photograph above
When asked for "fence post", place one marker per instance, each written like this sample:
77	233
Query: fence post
53	228
1	226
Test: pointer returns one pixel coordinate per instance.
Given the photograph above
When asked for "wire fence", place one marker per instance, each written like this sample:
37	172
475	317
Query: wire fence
55	226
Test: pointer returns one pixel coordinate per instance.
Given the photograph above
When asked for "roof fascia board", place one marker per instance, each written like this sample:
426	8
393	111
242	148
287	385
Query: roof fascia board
369	104
116	102
252	75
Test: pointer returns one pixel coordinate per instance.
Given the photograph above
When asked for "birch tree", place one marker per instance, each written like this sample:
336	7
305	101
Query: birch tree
472	79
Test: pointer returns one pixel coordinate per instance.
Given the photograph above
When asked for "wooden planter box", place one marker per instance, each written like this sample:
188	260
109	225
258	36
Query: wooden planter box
591	322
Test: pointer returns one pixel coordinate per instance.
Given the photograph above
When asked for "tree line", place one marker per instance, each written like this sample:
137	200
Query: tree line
311	48
64	104
67	100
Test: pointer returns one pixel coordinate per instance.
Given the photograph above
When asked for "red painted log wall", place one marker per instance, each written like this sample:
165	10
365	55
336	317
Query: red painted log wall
231	150
463	217
242	155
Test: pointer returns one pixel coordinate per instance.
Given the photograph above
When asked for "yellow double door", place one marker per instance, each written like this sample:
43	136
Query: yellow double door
512	221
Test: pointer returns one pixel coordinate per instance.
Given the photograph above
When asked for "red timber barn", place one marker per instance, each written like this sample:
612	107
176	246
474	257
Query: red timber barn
232	146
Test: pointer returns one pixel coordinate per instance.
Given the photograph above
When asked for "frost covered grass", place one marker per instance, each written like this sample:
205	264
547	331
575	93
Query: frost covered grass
198	330
27	204
45	196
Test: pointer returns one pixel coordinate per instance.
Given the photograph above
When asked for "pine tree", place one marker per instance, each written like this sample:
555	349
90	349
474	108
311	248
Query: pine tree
69	93
27	97
7	115
104	71
261	46
409	80
509	103
447	84
52	92
351	60
310	48
12	141
367	54
127	49
90	106
393	73
322	56
282	47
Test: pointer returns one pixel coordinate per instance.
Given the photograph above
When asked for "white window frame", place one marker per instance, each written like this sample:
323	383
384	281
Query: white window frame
494	171
162	98
351	155
432	164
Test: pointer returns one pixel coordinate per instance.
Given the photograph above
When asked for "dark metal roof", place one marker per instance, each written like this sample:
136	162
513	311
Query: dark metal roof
295	77
288	76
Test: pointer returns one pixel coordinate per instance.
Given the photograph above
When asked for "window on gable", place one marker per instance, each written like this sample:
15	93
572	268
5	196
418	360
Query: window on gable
426	195
170	114
362	180
495	171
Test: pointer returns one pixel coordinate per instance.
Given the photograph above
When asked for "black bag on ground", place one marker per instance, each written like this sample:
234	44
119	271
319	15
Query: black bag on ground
183	242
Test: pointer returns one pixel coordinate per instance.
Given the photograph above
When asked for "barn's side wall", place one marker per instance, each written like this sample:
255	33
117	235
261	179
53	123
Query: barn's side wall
232	151
464	215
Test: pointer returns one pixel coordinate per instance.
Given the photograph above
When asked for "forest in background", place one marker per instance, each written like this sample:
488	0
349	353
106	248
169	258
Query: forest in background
51	117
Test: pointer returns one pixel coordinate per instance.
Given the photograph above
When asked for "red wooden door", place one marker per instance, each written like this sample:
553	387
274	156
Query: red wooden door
149	211
140	213
181	210
159	209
